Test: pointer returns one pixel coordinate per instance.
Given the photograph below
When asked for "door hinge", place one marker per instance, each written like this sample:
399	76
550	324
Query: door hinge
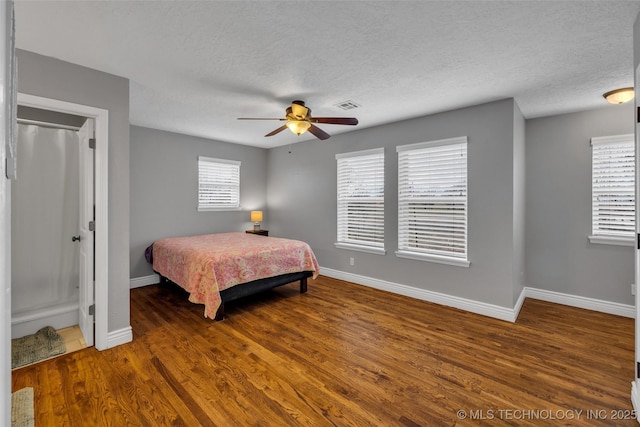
92	143
638	241
92	226
92	309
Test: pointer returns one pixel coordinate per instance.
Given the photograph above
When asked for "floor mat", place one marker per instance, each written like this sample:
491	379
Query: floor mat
22	408
31	348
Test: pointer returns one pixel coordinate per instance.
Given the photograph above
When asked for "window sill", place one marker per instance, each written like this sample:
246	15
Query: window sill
610	240
361	248
433	258
217	209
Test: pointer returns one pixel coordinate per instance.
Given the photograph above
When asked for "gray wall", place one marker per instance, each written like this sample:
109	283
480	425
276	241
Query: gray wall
529	202
558	207
302	201
51	78
164	189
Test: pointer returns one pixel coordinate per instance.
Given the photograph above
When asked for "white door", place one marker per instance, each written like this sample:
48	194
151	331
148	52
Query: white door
86	284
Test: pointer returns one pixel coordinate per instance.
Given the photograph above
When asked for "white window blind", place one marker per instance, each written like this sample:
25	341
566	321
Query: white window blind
613	187
361	200
432	201
218	184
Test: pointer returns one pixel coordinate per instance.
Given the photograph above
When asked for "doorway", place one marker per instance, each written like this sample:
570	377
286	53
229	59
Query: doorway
45	211
53	197
96	249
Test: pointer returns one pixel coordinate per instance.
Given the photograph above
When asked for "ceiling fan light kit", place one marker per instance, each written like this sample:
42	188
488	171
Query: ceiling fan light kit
299	120
298	126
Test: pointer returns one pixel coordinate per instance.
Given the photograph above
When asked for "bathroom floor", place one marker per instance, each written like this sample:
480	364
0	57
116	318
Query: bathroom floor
73	338
73	341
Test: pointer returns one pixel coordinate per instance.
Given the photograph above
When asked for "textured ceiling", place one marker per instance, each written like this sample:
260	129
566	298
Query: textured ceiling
195	67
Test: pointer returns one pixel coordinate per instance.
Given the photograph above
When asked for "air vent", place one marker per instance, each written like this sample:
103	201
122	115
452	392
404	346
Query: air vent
347	105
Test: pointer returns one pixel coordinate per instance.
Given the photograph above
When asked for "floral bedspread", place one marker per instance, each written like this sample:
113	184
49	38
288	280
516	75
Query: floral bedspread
206	264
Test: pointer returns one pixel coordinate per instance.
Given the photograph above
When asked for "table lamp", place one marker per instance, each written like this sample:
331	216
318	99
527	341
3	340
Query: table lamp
256	217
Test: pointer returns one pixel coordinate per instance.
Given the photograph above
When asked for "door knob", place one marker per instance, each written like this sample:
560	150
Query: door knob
75	239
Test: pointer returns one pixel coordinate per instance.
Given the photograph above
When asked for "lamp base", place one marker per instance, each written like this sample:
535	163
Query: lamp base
256	226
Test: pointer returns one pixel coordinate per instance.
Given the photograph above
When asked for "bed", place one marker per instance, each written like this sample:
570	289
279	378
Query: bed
222	267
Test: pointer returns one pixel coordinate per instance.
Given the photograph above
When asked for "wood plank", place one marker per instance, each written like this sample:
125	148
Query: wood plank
341	354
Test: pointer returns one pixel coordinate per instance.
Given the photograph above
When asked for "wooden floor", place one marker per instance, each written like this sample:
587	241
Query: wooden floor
342	355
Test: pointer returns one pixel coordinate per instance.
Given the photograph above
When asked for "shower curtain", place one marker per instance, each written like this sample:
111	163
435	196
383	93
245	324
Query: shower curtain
44	217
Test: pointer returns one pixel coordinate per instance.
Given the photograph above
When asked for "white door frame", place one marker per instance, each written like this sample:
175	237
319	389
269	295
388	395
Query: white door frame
85	232
635	384
101	118
6	74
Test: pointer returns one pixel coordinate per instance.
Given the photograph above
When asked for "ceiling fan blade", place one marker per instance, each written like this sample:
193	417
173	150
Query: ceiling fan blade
299	110
335	120
280	129
319	133
258	118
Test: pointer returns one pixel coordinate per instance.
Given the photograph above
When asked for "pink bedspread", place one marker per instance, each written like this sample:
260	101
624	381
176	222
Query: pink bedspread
206	264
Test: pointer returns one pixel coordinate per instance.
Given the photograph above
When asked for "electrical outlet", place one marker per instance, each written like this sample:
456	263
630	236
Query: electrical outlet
352	261
633	289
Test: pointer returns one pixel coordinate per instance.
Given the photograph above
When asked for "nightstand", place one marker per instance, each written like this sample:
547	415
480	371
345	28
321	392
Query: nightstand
258	232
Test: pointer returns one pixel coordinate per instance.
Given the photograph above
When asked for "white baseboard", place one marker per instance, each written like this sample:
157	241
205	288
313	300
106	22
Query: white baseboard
519	302
479	307
602	306
138	282
491	310
121	336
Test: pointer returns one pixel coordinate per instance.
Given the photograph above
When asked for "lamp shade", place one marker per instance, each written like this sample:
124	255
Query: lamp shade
298	126
256	216
619	96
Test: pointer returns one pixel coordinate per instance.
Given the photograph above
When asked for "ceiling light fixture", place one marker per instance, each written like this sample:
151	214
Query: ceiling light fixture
298	126
619	96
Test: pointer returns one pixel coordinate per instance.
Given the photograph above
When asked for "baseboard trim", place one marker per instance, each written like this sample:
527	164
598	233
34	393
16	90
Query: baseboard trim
138	282
119	337
485	309
593	304
478	307
519	303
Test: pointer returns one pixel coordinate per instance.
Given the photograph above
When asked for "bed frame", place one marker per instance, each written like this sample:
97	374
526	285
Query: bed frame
251	288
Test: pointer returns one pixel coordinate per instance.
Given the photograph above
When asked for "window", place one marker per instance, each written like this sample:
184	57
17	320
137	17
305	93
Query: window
613	190
432	201
218	184
361	201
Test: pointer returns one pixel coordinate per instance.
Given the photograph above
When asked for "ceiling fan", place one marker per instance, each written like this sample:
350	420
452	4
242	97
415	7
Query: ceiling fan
299	120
